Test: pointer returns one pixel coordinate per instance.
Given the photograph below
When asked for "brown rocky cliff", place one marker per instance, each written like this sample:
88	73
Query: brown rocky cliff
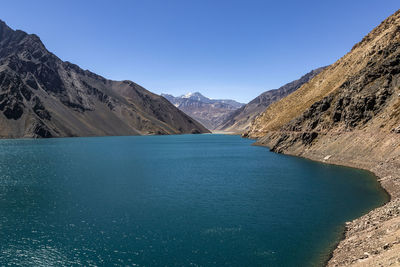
372	63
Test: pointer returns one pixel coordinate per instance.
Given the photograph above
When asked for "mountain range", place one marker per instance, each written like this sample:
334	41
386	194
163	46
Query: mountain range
43	96
239	120
210	112
347	113
228	115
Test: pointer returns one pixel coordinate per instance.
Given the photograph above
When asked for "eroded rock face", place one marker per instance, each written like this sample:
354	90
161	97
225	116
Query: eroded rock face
396	130
346	95
358	100
42	96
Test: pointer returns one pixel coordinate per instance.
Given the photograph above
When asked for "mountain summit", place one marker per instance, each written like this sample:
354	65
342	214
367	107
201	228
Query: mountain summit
210	112
196	96
43	96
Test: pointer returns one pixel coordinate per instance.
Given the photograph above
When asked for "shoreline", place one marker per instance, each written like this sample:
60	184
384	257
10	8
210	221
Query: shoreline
224	132
374	249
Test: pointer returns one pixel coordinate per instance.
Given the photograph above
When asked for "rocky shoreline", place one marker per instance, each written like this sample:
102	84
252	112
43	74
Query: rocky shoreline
374	238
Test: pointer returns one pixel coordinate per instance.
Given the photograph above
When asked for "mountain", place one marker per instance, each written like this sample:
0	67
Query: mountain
239	120
209	112
349	114
196	96
43	96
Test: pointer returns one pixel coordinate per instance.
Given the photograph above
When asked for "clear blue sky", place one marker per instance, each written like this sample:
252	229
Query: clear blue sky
224	49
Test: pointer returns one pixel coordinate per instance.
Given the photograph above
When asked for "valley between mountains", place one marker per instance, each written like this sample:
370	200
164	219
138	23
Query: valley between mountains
347	113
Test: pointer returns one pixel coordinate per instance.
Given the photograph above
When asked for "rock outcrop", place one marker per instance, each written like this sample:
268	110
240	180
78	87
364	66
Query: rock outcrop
239	120
209	112
43	96
349	114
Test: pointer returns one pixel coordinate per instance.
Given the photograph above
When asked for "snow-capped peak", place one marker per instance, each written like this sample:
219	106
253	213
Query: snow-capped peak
188	95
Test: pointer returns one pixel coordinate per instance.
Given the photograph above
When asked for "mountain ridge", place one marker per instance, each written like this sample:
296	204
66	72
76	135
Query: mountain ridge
43	96
239	121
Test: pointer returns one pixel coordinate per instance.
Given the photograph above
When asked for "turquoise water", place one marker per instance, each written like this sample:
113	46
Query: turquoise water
189	200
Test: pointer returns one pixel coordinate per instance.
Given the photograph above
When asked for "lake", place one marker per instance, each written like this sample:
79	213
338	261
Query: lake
184	200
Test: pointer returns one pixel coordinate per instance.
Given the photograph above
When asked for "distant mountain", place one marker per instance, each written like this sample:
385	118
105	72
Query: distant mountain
196	96
209	112
43	96
239	120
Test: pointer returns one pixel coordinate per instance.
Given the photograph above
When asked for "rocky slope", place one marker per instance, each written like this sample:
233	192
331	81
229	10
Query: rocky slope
349	114
210	112
42	96
239	120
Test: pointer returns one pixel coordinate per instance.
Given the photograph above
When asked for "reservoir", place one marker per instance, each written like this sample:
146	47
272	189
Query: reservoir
183	200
